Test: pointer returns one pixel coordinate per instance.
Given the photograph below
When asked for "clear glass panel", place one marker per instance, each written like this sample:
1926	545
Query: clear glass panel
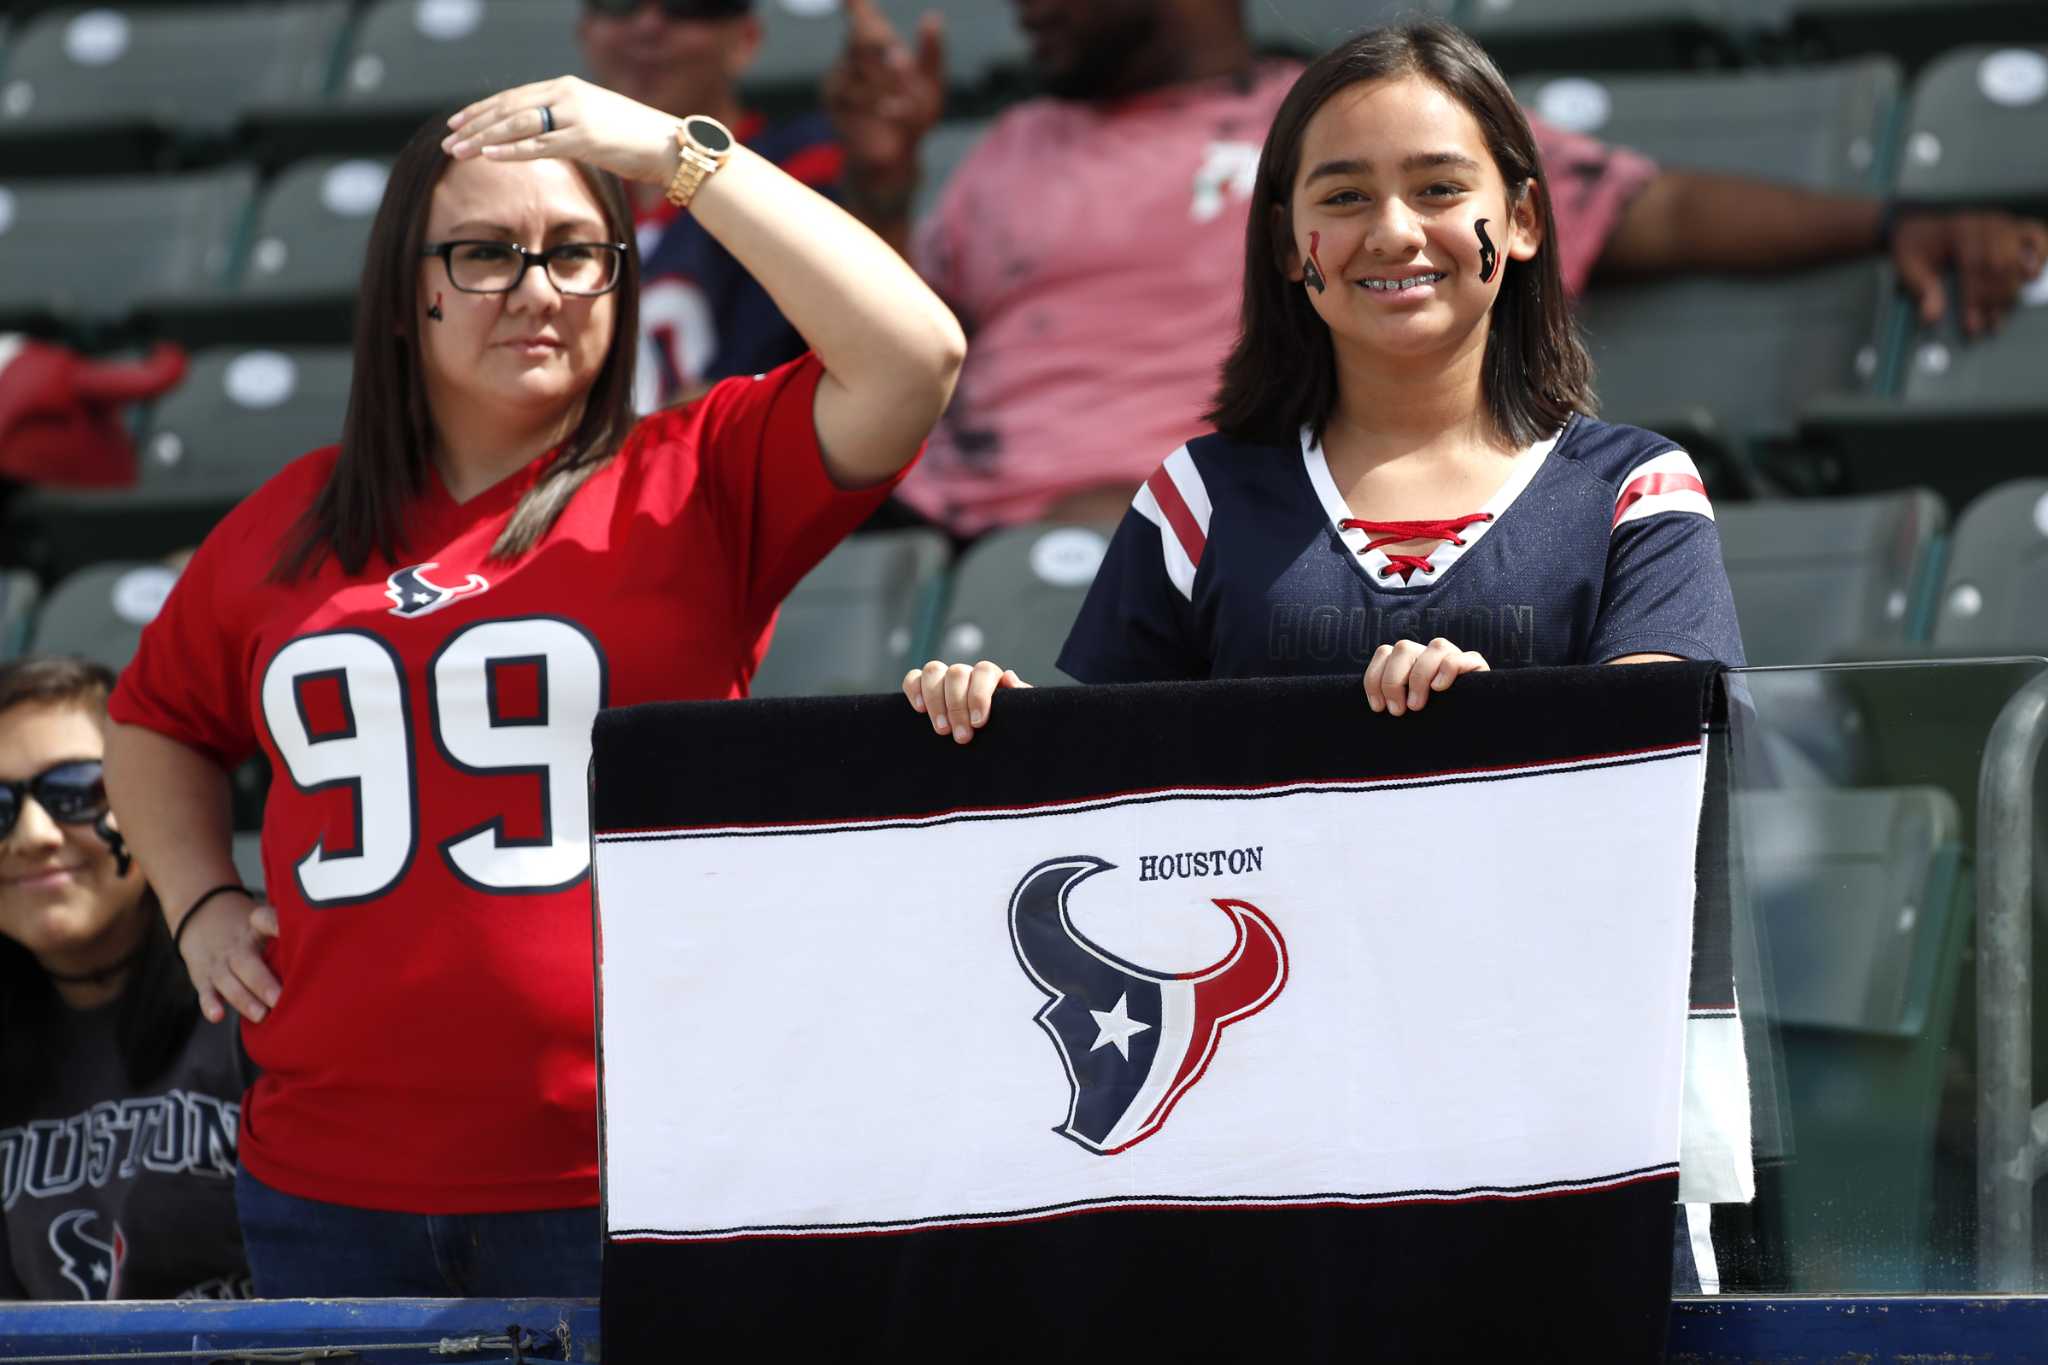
1856	840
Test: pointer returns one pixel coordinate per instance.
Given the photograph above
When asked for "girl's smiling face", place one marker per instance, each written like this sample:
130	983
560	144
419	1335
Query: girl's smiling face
1394	175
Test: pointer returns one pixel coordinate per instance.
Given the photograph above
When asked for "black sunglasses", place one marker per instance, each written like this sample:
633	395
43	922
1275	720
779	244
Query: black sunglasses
72	793
674	9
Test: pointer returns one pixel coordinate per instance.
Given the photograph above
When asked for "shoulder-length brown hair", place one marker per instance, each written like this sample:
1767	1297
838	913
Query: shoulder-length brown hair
387	435
1282	374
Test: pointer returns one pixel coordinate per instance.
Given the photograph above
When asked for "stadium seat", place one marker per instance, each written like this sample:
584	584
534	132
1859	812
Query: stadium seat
1604	35
99	612
1822	127
87	253
1309	28
943	150
1967	415
1977	129
1864	902
1911	30
1817	577
306	251
110	87
19	593
859	619
1015	596
1751	351
1994	598
411	60
799	41
238	418
248	855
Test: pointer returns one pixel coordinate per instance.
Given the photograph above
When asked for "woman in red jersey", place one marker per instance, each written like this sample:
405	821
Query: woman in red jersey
417	627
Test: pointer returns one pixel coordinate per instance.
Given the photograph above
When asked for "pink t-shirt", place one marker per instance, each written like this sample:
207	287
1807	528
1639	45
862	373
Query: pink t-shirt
1094	254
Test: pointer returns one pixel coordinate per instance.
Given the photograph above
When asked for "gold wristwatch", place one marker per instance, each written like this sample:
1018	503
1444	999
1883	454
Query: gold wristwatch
703	144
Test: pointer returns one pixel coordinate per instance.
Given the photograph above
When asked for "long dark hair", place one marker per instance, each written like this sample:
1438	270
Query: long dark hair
1282	374
388	434
158	1009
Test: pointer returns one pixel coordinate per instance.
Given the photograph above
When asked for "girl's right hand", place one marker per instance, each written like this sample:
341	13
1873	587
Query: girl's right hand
223	951
957	697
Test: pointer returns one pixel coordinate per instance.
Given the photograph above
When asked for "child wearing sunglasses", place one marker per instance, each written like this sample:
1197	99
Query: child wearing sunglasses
118	1104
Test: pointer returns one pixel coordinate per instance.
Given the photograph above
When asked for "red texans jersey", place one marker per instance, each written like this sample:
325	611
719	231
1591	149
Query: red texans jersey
427	841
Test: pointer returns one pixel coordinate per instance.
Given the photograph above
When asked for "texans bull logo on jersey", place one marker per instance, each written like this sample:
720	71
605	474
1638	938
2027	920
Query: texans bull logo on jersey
1133	1041
85	1260
413	594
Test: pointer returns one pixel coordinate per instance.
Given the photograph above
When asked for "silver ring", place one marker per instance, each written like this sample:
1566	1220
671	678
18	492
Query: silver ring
547	120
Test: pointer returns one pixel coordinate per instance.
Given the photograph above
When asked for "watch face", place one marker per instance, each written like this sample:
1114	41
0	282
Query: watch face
710	134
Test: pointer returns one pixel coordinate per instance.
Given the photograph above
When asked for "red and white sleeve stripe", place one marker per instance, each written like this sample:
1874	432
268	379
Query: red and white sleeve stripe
1175	501
1665	483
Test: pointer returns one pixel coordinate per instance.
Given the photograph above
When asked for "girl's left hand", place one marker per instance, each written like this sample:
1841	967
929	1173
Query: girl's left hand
591	124
1402	675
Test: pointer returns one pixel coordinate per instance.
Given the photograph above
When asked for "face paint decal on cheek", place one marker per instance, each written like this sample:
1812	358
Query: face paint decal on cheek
435	311
1488	257
1312	272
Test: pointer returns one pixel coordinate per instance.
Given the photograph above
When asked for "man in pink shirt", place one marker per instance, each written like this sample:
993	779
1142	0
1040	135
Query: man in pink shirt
1092	244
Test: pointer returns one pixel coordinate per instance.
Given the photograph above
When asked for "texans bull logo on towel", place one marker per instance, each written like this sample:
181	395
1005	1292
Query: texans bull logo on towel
1133	1041
413	594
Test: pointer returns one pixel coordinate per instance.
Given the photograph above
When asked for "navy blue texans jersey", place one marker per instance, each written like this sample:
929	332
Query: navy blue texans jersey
1235	561
702	316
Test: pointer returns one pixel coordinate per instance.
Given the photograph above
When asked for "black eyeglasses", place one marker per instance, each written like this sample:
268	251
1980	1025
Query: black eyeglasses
72	793
673	9
487	267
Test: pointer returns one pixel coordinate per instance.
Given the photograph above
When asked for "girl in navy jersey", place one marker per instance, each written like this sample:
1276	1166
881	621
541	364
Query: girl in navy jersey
417	628
1406	479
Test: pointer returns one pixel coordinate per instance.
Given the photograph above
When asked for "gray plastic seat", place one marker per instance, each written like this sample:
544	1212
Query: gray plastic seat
100	87
305	256
1994	597
1605	35
92	252
19	593
1310	28
1977	129
1864	904
411	59
1967	415
856	621
1817	577
98	613
1751	350
1015	596
1911	30
800	40
240	416
1822	127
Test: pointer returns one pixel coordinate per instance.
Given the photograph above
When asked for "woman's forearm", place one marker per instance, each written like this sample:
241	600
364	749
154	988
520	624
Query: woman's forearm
888	344
172	805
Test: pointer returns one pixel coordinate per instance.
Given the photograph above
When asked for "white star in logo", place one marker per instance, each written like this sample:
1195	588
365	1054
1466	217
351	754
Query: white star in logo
422	598
1117	1027
99	1272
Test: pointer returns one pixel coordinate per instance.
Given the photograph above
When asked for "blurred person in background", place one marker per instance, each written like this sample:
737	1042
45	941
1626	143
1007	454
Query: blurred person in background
119	1105
1088	242
702	316
418	627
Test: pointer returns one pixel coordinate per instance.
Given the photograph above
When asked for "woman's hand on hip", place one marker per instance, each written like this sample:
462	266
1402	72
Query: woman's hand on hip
957	697
223	951
1402	675
587	122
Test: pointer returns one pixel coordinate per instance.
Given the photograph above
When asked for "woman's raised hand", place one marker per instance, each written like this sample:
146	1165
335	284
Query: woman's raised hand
1402	675
223	951
587	122
957	697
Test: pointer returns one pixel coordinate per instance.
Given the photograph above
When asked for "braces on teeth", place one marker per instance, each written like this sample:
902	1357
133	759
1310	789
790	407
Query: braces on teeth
1393	286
